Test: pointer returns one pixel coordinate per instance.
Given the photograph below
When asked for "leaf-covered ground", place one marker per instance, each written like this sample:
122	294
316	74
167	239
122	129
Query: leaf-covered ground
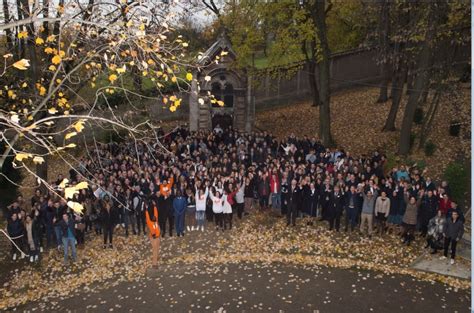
357	122
260	239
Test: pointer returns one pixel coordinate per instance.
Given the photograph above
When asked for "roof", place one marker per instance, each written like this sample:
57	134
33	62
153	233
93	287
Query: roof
222	43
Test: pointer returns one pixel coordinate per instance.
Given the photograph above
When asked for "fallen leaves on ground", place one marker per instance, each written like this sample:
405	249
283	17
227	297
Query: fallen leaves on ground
357	122
260	239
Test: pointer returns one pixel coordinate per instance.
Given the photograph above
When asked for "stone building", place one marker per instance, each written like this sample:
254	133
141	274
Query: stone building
226	84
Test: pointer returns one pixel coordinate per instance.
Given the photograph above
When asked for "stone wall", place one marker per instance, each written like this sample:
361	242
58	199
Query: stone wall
348	69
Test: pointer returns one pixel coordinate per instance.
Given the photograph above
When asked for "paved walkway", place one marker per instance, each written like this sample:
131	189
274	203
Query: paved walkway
249	287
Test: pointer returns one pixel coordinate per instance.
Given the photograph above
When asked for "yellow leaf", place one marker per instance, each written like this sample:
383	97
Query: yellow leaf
122	69
63	184
62	53
42	91
51	38
23	64
82	185
75	206
69	135
173	79
52	111
39	41
189	76
52	68
21	156
172	108
23	34
220	103
69	192
112	78
224	53
79	126
48	50
24	85
185	44
71	145
56	59
38	160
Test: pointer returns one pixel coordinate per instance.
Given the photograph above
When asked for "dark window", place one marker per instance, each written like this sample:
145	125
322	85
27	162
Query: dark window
226	95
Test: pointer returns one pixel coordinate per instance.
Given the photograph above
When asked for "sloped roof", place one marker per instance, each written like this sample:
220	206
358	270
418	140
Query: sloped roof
222	43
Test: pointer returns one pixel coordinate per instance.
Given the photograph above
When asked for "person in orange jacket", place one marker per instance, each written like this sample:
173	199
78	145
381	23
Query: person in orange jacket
154	228
165	202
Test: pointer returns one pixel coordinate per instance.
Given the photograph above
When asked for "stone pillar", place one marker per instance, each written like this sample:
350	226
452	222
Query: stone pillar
193	106
250	107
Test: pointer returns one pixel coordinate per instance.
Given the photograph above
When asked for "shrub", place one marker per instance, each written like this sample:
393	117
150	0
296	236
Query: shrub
418	118
430	148
457	176
454	128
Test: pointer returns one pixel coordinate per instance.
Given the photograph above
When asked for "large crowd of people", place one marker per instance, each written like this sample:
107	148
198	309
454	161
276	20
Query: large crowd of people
189	181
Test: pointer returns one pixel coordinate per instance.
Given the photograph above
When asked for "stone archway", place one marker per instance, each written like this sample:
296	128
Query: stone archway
226	84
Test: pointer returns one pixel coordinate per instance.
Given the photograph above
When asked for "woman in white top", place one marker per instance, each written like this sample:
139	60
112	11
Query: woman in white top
227	212
201	199
217	209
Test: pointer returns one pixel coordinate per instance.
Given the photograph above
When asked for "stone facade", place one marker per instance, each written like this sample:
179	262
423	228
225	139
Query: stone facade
226	84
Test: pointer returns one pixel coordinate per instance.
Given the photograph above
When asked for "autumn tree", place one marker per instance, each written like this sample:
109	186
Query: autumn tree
54	53
441	23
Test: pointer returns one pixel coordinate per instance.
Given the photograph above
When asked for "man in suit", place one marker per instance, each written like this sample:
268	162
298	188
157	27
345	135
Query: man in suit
293	203
336	206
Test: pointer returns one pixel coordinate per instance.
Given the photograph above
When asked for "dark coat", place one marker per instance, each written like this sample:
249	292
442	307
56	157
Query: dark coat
310	200
15	228
64	227
294	198
454	230
428	208
336	204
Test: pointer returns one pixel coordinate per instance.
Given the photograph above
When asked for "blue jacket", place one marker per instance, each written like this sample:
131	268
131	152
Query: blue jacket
179	205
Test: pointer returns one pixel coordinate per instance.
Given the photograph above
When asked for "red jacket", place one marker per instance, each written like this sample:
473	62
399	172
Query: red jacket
444	206
274	184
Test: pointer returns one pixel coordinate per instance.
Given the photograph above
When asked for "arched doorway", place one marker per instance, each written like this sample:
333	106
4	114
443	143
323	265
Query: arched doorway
224	120
223	92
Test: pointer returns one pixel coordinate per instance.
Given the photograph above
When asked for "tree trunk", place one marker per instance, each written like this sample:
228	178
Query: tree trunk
313	83
420	82
57	24
45	32
428	120
384	27
311	62
42	169
8	31
319	16
397	93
